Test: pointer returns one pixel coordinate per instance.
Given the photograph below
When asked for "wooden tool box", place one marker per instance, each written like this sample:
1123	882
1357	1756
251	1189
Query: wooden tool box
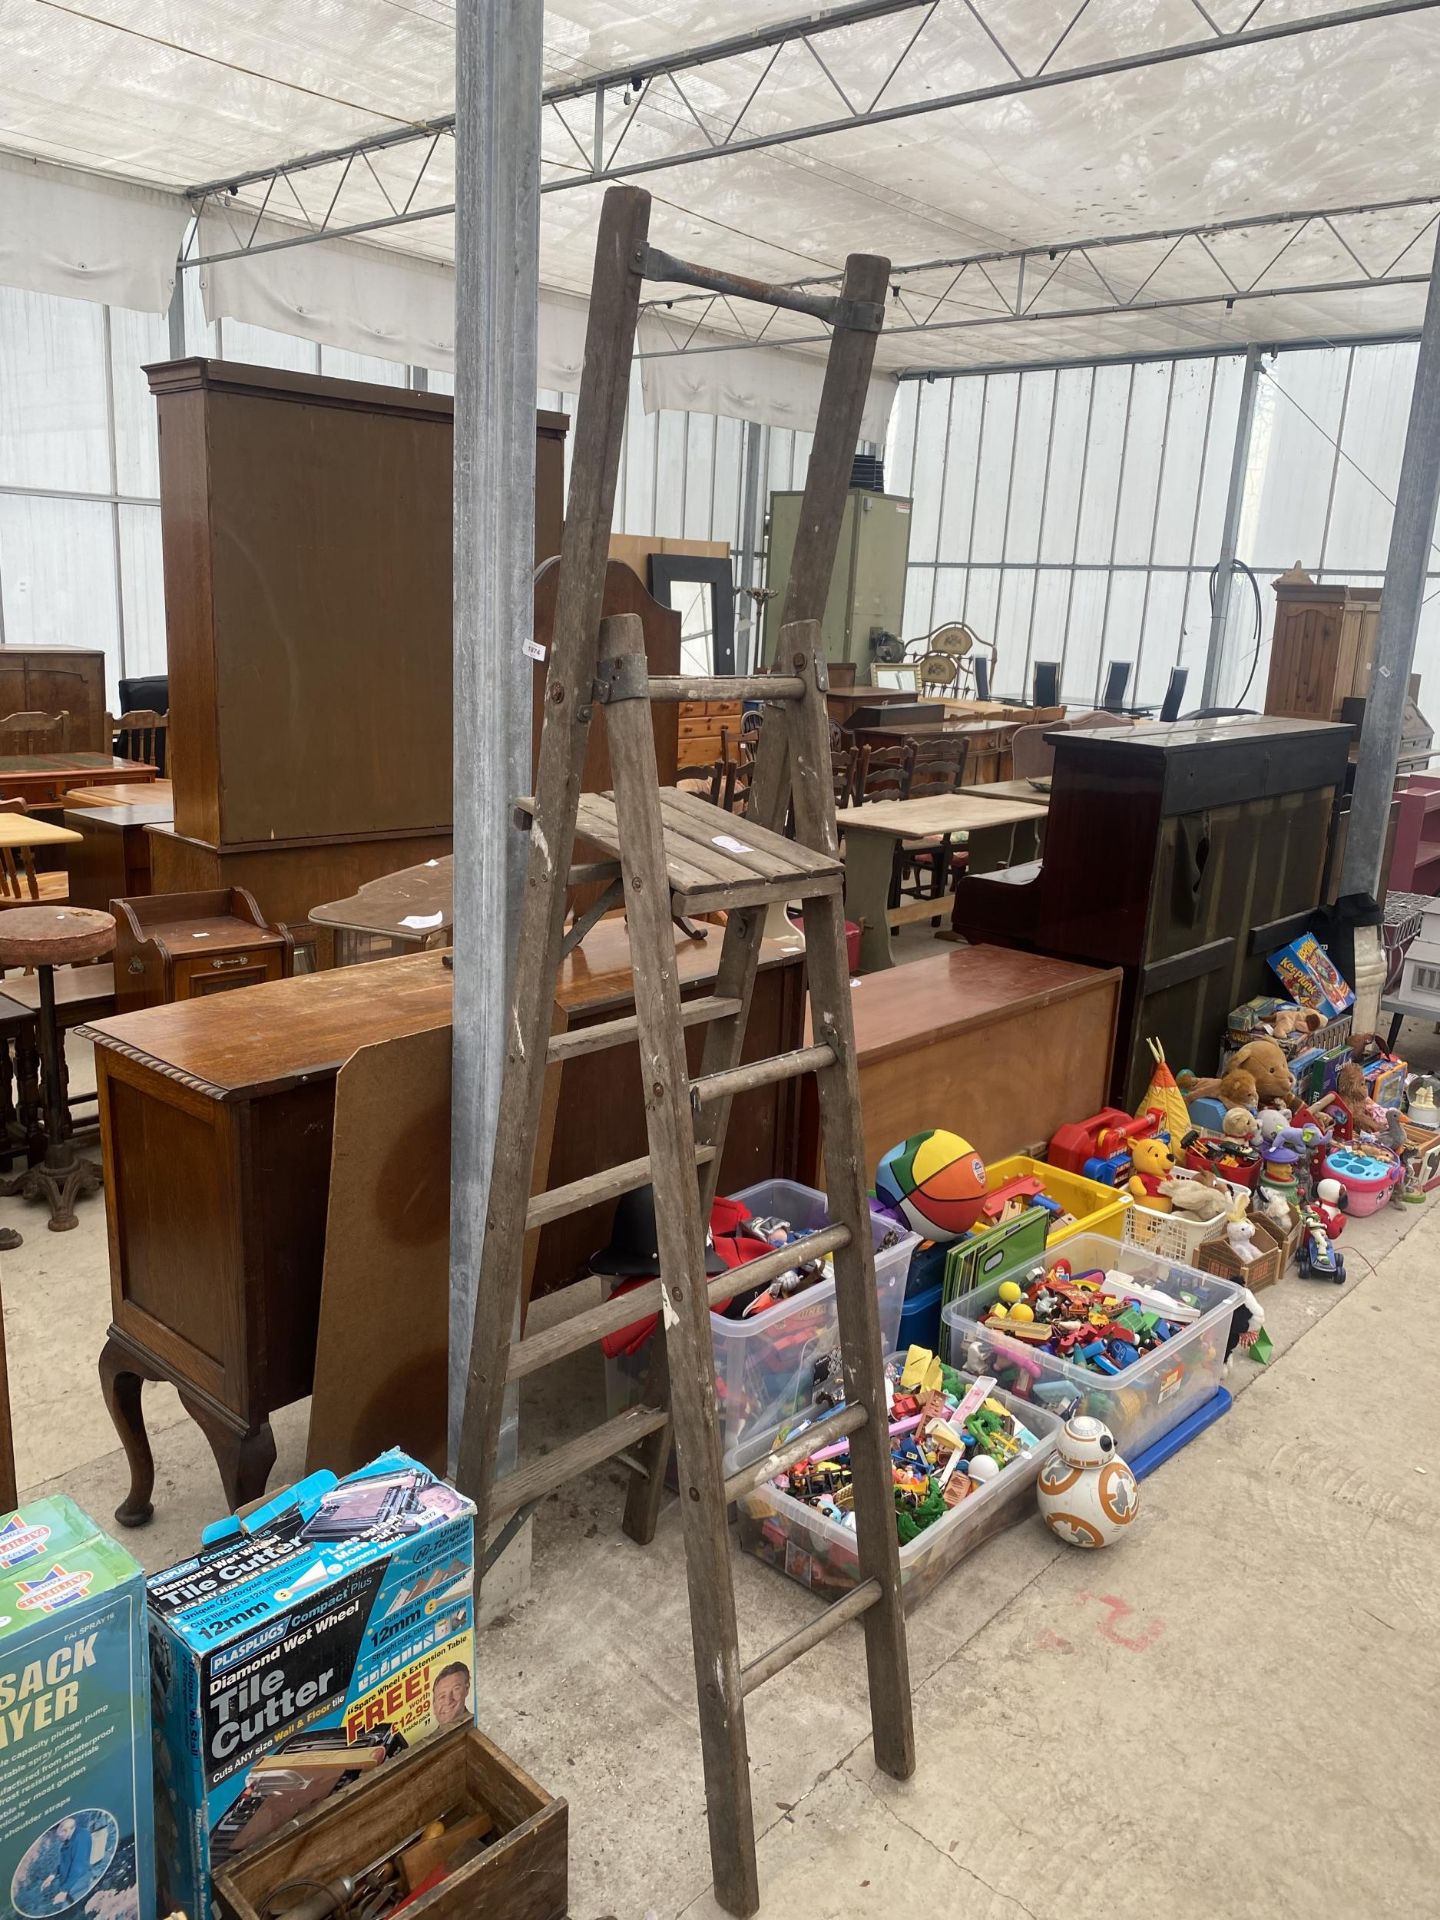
522	1875
178	946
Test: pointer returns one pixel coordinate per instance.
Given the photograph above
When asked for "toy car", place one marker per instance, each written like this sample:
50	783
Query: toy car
1318	1258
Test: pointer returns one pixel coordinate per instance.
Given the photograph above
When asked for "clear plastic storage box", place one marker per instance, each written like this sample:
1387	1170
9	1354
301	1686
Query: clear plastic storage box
822	1555
765	1366
1145	1401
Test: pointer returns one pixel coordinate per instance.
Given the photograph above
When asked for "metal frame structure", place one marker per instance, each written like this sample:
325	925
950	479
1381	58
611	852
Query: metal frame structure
950	517
577	113
1006	286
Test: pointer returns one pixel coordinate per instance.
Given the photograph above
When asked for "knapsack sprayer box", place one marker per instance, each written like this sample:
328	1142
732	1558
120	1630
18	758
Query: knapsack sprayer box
76	1828
304	1646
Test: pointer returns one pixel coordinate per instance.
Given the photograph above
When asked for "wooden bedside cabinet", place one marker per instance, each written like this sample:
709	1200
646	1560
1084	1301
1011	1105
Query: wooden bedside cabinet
182	946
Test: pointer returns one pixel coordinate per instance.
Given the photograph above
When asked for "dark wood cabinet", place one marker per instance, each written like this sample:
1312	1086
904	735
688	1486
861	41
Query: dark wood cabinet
306	532
1181	854
58	680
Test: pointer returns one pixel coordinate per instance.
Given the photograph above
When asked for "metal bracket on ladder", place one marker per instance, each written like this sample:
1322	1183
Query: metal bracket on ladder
669	858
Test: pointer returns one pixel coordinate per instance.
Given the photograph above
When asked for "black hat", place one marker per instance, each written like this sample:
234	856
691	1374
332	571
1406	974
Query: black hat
633	1250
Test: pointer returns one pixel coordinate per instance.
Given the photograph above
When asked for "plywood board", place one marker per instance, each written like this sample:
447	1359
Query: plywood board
381	1350
382	1344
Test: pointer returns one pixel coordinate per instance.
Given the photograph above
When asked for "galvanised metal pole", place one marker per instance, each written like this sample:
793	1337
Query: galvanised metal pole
497	254
1230	531
1411	532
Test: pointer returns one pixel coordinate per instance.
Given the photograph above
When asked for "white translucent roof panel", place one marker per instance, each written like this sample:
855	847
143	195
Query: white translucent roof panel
175	95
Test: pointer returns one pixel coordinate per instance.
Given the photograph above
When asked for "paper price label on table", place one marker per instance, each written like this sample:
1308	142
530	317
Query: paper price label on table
533	650
729	843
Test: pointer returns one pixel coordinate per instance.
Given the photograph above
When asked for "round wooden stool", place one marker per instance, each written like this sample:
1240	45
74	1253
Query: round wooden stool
45	938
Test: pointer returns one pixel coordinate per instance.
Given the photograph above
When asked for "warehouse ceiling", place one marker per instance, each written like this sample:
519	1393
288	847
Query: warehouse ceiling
1104	182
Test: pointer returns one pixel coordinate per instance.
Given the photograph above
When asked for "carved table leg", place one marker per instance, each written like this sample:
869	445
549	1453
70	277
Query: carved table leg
120	1382
244	1455
27	1092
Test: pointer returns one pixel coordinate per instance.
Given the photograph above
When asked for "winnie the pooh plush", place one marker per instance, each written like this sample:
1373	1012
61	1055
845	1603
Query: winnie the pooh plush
1151	1162
1258	1075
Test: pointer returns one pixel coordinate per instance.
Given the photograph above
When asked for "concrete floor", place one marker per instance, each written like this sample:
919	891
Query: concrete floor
1231	1714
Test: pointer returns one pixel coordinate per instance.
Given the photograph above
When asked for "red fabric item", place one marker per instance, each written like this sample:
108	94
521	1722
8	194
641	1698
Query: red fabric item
734	1248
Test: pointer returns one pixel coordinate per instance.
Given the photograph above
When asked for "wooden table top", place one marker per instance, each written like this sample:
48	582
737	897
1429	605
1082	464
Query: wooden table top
1012	790
24	830
425	893
130	813
902	1008
871	696
597	973
962	812
95	766
121	793
266	1038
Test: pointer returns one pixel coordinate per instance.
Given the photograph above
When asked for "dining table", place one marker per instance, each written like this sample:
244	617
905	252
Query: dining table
992	823
44	779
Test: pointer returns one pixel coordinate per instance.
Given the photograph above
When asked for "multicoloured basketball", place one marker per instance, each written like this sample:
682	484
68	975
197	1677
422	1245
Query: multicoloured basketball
936	1181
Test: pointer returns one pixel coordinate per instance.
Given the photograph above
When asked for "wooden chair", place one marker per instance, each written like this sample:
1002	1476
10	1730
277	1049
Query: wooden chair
20	884
936	675
34	732
937	766
141	735
706	781
739	777
843	764
884	773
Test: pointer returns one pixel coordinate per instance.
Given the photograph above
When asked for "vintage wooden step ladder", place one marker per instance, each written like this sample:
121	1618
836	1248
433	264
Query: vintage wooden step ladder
668	852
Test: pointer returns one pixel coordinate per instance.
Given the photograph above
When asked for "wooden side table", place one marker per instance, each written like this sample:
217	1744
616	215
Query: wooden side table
180	946
44	938
216	1119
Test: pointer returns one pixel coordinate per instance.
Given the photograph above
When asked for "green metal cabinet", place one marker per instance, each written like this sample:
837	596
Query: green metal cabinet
867	588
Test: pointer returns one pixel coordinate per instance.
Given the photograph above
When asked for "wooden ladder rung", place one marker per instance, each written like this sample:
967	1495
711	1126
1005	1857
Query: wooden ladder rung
820	1433
760	1073
670	687
727	895
583	1329
804	1638
616	1033
528	1484
625	1177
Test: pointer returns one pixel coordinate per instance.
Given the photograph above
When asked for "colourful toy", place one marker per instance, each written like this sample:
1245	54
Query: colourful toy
1099	1148
1330	1202
1008	1201
1154	1162
935	1181
947	1438
1088	1496
1163	1094
1310	976
1368	1177
1318	1259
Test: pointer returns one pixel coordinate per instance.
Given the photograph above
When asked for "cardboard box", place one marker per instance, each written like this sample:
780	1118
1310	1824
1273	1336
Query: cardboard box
76	1814
330	1631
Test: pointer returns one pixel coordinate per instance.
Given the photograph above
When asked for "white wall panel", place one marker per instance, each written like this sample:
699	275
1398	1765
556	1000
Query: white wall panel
142	592
992	478
340	365
57	575
137	340
53	429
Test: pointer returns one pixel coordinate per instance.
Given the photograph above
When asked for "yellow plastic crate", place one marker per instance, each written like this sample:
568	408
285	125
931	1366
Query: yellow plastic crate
1097	1209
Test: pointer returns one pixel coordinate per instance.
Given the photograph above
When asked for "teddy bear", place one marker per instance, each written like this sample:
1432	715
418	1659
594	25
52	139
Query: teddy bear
1286	1021
1257	1075
1194	1198
1151	1163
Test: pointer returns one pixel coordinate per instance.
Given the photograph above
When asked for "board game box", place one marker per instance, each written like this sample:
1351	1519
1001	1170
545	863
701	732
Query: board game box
315	1640
76	1828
